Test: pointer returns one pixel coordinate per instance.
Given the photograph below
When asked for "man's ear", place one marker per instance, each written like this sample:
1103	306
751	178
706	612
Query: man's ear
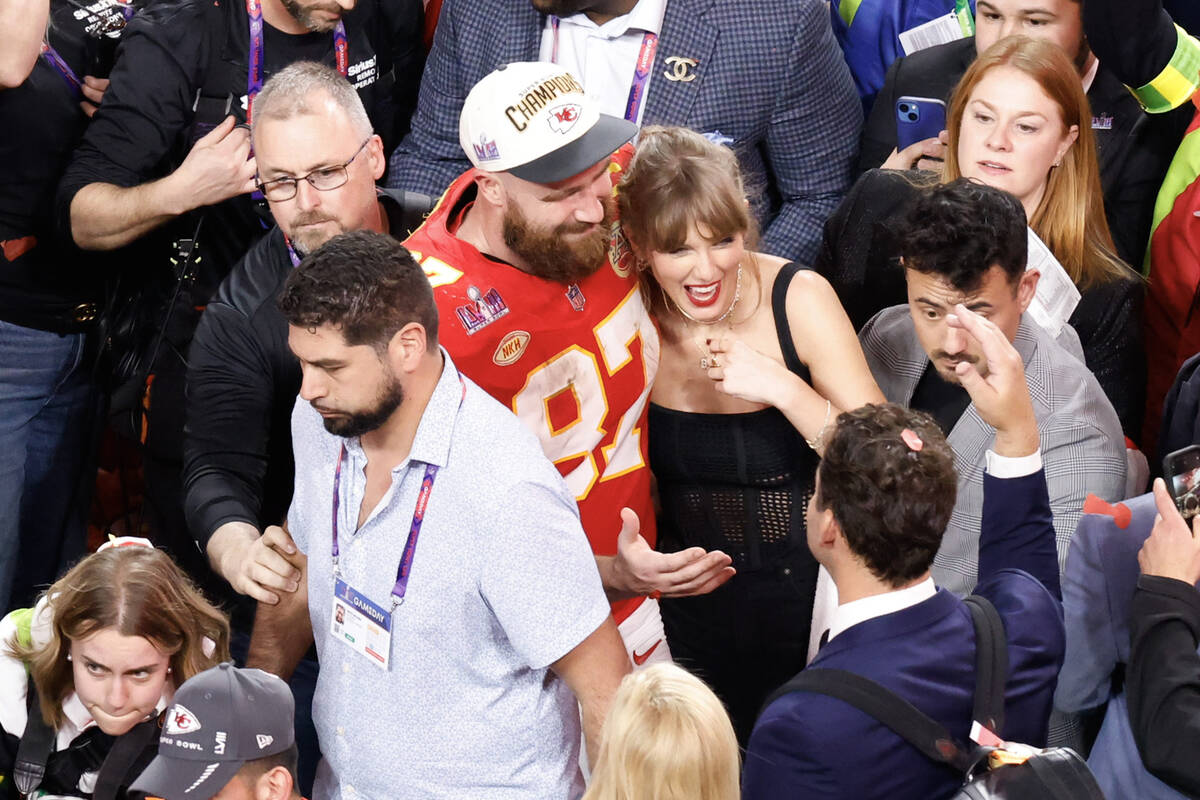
826	530
490	189
274	784
1027	288
830	531
375	156
407	347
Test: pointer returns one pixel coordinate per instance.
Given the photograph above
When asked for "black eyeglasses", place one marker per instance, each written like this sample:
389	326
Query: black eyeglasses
323	180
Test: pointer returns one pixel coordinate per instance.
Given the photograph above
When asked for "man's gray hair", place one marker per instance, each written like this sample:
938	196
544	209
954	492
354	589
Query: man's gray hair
290	92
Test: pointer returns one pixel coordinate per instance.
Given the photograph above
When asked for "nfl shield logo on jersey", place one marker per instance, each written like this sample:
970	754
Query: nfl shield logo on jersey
575	295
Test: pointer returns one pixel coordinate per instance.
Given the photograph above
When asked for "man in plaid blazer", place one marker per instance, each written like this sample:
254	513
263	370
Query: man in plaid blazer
766	77
966	243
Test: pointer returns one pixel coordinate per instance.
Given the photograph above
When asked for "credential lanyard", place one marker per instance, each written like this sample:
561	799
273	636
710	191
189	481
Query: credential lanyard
295	257
641	70
414	530
254	67
62	68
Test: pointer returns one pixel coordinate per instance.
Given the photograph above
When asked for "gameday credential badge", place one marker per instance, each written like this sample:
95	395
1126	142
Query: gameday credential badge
511	348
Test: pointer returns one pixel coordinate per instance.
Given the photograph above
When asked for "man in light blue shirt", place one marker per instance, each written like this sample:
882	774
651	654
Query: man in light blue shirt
456	605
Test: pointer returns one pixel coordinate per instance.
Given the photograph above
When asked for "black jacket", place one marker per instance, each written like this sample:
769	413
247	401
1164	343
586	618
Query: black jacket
1134	151
859	258
241	385
181	63
1163	680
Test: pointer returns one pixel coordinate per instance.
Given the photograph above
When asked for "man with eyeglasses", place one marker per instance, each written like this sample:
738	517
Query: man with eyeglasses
317	163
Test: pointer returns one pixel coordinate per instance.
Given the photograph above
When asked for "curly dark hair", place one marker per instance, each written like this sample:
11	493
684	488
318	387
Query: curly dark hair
366	284
891	502
960	230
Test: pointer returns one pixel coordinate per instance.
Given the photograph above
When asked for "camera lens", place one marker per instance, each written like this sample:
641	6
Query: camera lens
100	52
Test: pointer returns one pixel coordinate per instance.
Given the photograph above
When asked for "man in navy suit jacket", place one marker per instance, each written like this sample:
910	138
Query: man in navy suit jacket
884	492
764	76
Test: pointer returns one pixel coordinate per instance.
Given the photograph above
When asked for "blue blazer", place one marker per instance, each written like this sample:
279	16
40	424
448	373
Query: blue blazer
814	746
1098	586
769	76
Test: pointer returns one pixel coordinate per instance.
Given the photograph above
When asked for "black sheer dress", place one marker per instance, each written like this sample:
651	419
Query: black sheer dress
740	483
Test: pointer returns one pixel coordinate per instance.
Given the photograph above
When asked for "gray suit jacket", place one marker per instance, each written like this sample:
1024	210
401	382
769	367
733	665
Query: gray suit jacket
1083	448
768	75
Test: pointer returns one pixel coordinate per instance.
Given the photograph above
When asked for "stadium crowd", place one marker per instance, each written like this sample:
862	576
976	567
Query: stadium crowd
601	399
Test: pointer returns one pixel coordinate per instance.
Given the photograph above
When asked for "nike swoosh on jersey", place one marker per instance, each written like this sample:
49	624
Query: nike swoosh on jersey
640	658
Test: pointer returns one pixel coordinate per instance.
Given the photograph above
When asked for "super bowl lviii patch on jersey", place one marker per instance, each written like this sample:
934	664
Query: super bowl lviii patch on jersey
483	310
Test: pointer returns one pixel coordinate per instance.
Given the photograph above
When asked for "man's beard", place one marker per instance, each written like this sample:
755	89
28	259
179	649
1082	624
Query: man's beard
308	241
304	15
557	255
362	422
1081	55
939	357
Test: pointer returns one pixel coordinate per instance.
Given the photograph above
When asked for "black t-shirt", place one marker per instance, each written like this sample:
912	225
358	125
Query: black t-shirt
40	124
943	400
167	62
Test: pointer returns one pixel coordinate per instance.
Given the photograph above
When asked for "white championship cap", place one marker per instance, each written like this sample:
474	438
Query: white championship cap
534	120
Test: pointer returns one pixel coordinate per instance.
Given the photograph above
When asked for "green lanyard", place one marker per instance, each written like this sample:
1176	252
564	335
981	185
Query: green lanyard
966	21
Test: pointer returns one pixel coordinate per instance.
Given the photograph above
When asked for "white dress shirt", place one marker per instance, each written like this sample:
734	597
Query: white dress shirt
827	613
604	57
847	615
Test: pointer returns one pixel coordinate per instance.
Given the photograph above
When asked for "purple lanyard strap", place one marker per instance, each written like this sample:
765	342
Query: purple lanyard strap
641	71
295	257
254	66
62	68
414	530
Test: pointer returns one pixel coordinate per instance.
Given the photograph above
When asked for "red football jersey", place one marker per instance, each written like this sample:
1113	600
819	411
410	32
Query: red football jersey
574	362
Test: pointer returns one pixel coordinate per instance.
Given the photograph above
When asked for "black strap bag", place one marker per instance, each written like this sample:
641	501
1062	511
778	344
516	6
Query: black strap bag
988	773
117	760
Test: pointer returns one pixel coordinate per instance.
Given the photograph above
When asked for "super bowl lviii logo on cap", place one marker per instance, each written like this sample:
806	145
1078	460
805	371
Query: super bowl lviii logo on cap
485	148
534	120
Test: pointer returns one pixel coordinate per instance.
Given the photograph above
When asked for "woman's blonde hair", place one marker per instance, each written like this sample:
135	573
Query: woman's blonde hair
676	179
667	737
1070	218
135	591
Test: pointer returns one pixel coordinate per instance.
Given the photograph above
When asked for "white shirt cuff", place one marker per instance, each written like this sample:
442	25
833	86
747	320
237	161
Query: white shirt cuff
1008	467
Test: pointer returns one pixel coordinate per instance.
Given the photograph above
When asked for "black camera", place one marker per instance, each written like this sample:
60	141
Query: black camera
100	45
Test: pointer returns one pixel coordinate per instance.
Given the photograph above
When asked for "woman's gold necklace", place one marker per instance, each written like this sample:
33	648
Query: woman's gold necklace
707	358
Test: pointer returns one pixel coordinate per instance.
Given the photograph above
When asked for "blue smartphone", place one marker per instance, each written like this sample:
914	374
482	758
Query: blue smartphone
918	118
